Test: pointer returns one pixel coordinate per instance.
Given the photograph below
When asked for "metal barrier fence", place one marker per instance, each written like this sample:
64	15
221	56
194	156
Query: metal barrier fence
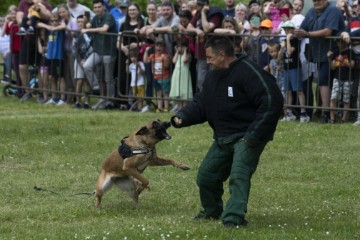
110	78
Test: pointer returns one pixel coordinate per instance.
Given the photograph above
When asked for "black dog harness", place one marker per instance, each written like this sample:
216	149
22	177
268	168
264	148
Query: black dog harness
126	151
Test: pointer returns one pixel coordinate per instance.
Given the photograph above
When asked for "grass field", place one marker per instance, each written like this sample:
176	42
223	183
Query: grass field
306	185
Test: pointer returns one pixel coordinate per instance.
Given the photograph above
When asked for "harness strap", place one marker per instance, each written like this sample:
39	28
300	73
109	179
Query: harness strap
126	151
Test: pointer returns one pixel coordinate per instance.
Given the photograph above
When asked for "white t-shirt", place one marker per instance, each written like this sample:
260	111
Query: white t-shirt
140	77
78	10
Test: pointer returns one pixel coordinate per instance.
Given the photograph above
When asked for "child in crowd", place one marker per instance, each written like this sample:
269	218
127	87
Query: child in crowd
250	44
161	71
289	53
231	27
137	71
342	64
266	27
276	66
10	28
43	74
181	78
82	50
55	59
33	16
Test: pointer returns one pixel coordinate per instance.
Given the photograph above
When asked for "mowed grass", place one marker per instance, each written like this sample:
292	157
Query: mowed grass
306	185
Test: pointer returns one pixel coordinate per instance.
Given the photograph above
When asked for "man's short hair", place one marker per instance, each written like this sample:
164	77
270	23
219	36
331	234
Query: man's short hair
185	14
221	43
80	16
167	4
99	1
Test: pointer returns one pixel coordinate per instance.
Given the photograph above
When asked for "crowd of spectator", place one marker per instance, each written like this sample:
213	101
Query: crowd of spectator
120	51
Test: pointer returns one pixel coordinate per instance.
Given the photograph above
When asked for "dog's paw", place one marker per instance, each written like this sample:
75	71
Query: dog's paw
184	167
141	188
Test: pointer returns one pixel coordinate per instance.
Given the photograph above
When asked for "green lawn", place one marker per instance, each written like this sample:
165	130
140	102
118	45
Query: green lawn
306	185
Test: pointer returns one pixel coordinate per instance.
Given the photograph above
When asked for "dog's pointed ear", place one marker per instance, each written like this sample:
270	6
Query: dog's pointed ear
155	124
142	131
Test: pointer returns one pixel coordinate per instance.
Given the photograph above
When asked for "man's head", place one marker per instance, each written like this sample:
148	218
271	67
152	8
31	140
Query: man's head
254	6
219	49
99	7
185	18
320	5
230	4
167	10
81	21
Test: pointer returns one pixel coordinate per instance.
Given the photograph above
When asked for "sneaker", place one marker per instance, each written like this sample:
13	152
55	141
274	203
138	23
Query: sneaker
78	105
61	103
41	100
51	101
175	108
289	117
357	123
324	119
86	106
158	110
26	97
304	118
145	109
165	110
21	32
30	31
99	104
243	223
203	216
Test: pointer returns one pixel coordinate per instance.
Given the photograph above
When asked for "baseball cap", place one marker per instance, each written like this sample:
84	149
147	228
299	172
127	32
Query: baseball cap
288	24
253	1
266	23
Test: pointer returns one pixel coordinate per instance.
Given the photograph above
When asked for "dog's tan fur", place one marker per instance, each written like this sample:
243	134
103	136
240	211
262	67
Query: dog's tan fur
127	173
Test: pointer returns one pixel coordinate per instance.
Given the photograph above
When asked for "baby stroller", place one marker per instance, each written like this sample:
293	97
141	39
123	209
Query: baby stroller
11	88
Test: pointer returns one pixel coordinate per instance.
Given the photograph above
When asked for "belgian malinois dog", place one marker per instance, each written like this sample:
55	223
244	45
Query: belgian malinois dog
124	166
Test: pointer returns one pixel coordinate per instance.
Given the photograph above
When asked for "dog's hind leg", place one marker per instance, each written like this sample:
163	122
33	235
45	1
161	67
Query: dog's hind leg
103	184
128	185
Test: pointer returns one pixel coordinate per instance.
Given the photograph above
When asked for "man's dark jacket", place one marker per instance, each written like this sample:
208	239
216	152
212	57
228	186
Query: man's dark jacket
242	101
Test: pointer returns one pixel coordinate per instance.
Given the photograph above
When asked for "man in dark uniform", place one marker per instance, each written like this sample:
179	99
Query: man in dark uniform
242	104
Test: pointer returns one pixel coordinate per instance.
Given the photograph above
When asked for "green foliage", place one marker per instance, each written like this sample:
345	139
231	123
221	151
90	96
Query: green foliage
306	185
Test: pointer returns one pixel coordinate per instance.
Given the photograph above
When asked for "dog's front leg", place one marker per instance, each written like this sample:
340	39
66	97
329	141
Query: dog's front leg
130	168
158	161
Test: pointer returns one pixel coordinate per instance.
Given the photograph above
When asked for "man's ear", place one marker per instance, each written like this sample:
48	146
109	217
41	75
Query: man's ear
142	131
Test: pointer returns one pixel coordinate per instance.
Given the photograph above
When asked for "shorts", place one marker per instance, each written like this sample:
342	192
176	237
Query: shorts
162	85
28	51
293	80
56	68
78	71
324	74
341	88
138	91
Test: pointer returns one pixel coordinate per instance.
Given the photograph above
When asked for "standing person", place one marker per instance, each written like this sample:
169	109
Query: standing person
82	50
266	28
127	42
289	53
104	46
137	71
77	9
342	64
55	58
161	70
229	9
28	53
276	66
5	48
323	20
243	111
181	87
10	29
206	19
